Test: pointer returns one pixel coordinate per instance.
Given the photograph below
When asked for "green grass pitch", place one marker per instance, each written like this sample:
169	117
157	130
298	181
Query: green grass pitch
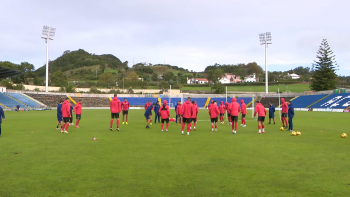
36	160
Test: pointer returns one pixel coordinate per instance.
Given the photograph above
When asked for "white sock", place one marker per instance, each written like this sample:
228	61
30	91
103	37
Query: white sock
194	127
259	130
263	129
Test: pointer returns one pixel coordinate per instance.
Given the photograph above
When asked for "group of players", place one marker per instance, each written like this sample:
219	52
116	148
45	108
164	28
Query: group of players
65	115
186	113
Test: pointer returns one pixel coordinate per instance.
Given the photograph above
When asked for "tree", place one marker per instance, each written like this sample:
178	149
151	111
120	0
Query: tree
132	76
219	88
154	77
324	77
69	88
254	68
26	70
58	78
106	79
168	76
215	75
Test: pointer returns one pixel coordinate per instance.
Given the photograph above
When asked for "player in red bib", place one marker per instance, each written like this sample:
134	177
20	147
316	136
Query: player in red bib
146	106
125	108
77	109
164	112
179	111
284	113
186	115
227	105
261	111
115	108
194	115
243	112
235	109
66	115
214	113
222	109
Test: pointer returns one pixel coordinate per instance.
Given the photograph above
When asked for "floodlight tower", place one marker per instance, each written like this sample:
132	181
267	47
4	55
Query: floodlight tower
48	34
265	39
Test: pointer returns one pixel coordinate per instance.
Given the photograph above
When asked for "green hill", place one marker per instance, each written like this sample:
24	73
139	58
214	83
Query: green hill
83	65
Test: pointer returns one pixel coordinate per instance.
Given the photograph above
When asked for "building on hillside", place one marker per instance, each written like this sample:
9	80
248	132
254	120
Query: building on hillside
294	76
250	78
229	78
197	81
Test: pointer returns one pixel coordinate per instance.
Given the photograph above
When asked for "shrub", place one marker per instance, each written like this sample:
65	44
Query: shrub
70	88
18	87
94	90
130	91
7	83
116	91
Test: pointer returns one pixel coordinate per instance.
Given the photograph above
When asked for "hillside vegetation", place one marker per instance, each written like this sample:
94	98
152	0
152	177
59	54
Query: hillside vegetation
82	65
81	69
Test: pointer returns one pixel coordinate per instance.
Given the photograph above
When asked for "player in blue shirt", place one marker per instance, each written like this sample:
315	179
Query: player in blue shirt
290	115
2	117
59	114
156	112
271	113
176	110
148	114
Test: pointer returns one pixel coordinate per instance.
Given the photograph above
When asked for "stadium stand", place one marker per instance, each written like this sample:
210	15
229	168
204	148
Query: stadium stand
23	99
307	100
275	100
50	100
334	101
9	102
93	101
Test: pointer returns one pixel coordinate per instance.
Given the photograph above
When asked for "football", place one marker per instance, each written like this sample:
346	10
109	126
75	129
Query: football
344	135
282	128
298	133
294	133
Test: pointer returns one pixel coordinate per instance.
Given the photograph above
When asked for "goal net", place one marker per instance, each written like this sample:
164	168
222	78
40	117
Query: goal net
203	100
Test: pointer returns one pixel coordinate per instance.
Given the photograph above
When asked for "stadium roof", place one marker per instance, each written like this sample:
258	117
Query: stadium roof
6	72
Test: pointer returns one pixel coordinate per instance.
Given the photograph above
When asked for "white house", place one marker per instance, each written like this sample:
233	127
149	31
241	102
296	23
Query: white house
294	76
229	78
197	81
250	78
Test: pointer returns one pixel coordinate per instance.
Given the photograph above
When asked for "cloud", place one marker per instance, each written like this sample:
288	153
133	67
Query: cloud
188	33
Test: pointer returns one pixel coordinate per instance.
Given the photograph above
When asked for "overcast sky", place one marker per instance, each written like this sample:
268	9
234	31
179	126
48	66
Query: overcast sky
187	33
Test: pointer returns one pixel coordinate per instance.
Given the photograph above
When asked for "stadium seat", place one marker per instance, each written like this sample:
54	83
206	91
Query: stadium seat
334	101
9	102
23	99
304	101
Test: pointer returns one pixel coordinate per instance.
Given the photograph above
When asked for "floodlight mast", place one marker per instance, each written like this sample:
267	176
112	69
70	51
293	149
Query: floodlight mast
48	34
265	39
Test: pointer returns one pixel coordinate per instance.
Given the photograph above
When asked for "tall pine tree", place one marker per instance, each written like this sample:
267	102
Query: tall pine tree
324	77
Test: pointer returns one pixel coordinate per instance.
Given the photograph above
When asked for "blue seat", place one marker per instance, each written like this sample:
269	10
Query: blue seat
304	101
23	99
334	101
8	101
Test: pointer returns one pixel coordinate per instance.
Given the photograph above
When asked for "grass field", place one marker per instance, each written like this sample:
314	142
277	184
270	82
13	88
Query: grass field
36	160
274	88
110	70
163	69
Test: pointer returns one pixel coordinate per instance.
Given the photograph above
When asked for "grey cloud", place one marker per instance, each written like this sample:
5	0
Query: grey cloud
188	33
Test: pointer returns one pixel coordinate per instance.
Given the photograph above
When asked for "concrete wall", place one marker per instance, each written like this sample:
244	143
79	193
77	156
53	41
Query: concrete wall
94	95
56	89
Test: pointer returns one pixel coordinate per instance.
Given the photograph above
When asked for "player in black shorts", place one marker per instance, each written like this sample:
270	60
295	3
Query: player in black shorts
194	115
261	111
214	113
